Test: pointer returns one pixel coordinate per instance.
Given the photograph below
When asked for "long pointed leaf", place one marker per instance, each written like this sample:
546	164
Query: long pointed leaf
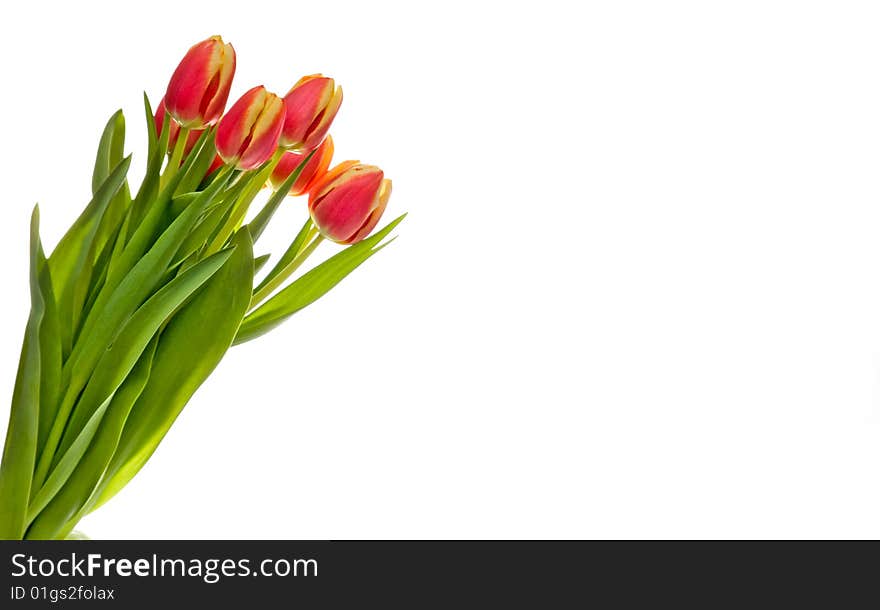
260	262
152	136
190	348
197	163
109	149
69	259
75	498
20	450
311	286
123	354
50	355
113	306
254	183
61	472
289	255
261	220
149	188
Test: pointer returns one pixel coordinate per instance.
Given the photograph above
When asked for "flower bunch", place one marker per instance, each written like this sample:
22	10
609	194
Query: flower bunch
144	294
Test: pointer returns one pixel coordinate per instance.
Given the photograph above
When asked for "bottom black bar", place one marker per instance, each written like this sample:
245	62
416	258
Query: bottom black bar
414	574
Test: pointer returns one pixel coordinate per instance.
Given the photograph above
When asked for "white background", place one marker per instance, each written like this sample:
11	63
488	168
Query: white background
637	294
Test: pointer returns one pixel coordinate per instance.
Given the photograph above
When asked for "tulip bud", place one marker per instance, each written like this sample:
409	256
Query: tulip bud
247	135
349	201
174	130
199	87
311	106
310	174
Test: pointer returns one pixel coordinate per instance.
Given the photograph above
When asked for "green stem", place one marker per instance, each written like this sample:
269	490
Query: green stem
285	273
239	210
176	156
258	223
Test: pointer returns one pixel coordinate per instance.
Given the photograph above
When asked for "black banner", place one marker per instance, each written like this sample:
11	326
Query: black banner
413	574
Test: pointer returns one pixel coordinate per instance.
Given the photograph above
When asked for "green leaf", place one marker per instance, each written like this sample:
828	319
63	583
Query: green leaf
109	149
311	286
109	156
20	450
113	369
180	202
197	163
112	221
70	503
156	217
253	184
64	468
141	235
50	355
102	257
98	258
135	267
118	360
289	255
260	261
261	220
146	195
110	253
190	348
152	136
68	262
112	308
209	225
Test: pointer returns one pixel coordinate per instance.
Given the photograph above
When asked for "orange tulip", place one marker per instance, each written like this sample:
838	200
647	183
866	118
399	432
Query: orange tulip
312	173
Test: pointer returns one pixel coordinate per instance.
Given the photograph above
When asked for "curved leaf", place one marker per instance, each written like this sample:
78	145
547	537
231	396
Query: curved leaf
311	286
65	466
260	262
191	346
112	308
62	513
69	261
50	356
119	359
296	246
261	220
109	149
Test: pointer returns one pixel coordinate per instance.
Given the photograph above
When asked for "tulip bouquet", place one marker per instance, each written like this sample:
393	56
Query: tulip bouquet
146	292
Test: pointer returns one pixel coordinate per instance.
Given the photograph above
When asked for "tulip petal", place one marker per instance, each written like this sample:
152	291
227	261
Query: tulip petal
321	125
378	209
263	138
220	85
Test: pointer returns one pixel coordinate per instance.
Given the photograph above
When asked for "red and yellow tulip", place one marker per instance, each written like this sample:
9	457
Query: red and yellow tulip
348	202
311	106
247	135
148	292
199	87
